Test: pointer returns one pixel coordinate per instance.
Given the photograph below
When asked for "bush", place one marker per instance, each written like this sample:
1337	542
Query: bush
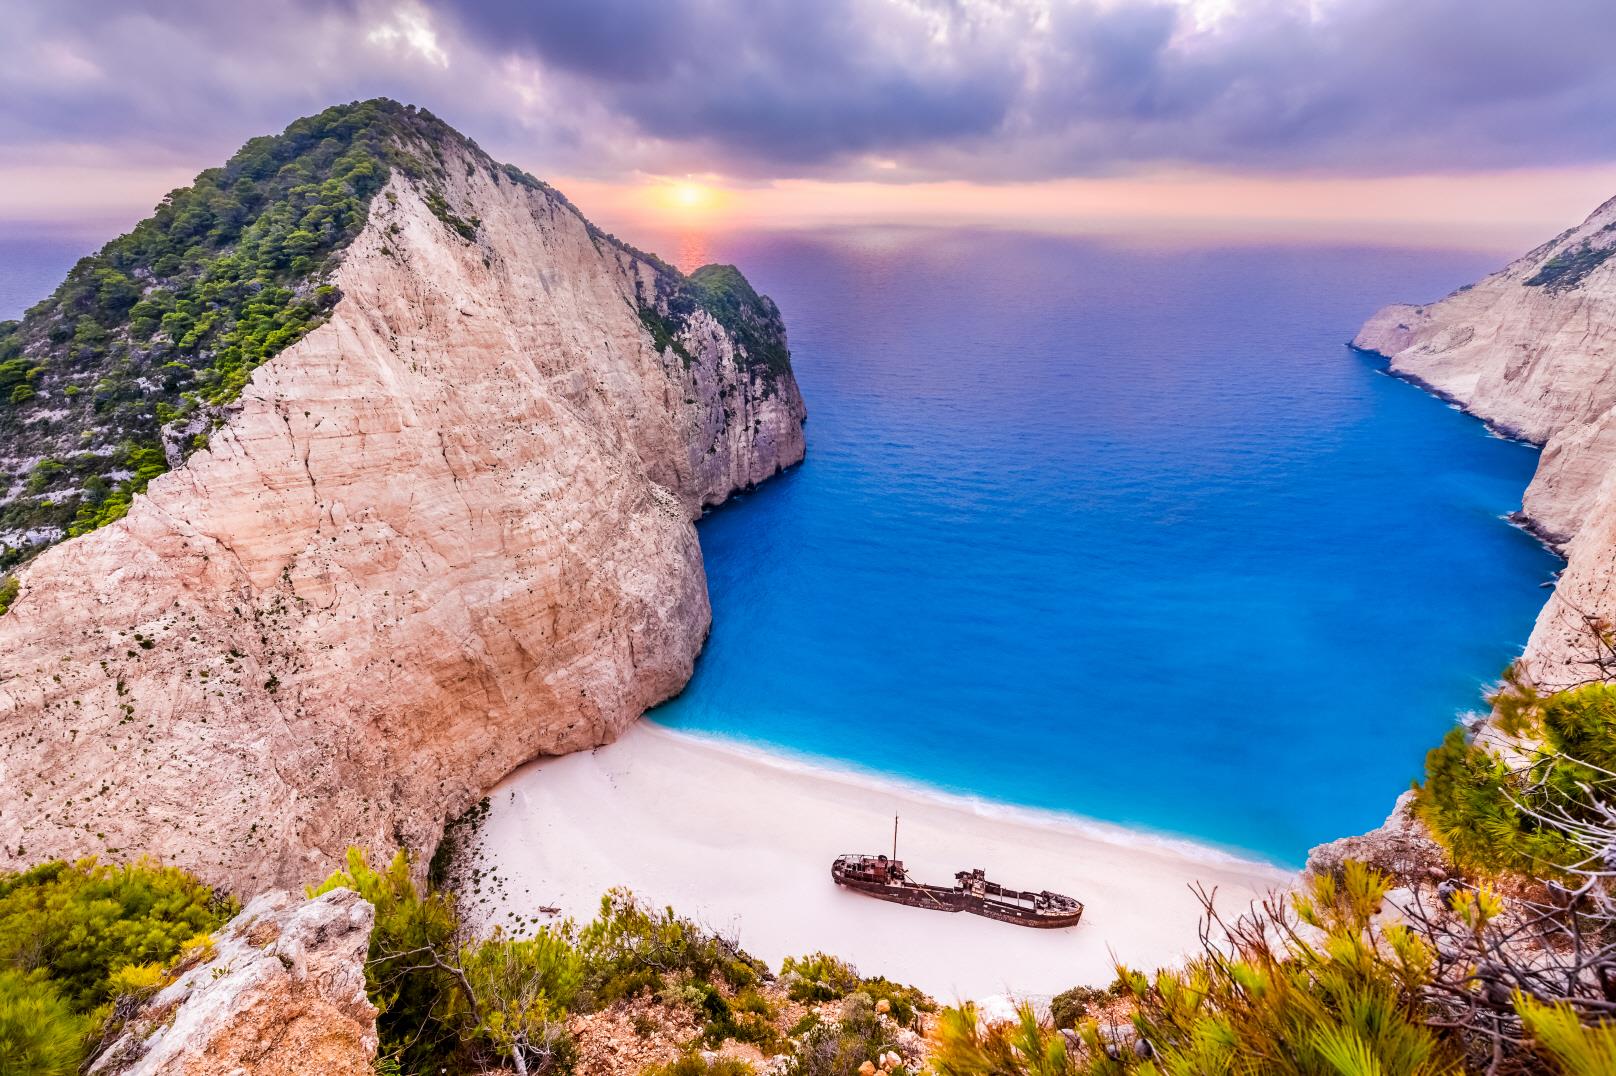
1490	813
818	977
79	923
629	949
40	1033
1070	1006
450	1002
75	937
839	1047
693	1064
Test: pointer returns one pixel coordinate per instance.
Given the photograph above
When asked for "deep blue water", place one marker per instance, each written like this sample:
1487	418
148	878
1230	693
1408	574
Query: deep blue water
1119	530
1123	531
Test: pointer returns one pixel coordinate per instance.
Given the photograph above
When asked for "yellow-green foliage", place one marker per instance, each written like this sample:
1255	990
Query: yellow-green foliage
1337	996
450	1002
81	922
1571	1046
40	1033
693	1064
412	994
524	986
963	1045
8	592
630	949
818	977
74	937
1481	807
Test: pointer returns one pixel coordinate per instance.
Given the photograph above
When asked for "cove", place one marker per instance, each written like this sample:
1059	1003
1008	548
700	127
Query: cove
1117	529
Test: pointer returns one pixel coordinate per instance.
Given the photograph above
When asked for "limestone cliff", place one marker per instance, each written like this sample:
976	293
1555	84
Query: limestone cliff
281	992
1532	350
447	530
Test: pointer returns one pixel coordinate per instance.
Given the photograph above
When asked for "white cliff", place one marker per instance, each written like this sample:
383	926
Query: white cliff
1532	350
280	992
446	532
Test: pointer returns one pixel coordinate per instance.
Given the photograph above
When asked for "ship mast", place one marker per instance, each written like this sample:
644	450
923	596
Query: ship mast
894	838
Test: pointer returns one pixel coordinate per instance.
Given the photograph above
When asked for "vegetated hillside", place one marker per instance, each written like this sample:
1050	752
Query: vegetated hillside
132	362
421	450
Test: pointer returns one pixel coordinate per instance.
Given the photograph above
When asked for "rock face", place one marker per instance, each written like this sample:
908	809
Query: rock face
283	994
1532	350
447	531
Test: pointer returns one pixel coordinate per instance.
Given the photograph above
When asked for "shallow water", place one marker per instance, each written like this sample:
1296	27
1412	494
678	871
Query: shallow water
1119	530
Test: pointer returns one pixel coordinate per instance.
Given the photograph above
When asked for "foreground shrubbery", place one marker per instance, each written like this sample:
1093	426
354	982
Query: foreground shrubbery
1513	970
78	938
453	1002
1519	812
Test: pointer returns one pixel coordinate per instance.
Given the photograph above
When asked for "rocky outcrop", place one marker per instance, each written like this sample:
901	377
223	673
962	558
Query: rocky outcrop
282	993
1532	350
445	532
1400	848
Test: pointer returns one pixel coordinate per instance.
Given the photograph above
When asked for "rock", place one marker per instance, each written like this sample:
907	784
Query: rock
1401	847
283	994
446	532
1532	350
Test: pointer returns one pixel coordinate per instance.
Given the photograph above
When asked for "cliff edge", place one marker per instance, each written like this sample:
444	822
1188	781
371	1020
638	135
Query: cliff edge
447	528
1532	350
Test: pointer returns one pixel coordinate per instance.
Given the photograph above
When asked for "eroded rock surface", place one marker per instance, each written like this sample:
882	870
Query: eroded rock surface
446	532
282	994
1532	349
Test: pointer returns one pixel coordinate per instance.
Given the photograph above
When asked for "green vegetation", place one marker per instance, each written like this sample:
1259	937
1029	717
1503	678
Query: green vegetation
693	1064
1337	996
75	939
9	588
1569	267
449	1001
136	357
1508	974
164	326
820	977
851	1044
1509	815
466	229
752	320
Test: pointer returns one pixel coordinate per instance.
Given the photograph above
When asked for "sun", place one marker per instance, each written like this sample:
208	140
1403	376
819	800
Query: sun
690	195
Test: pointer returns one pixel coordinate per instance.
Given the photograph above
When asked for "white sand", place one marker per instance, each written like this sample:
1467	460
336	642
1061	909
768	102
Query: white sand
742	841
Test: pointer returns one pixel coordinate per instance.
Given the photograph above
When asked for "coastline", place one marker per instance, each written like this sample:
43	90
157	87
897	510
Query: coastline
741	840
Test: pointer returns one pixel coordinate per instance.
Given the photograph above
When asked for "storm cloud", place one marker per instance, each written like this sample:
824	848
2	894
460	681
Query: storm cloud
897	89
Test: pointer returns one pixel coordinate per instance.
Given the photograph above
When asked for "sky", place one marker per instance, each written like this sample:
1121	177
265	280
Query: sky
1484	122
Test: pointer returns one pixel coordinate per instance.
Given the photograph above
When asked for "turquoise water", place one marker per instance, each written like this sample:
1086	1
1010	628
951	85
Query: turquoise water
1121	531
1104	528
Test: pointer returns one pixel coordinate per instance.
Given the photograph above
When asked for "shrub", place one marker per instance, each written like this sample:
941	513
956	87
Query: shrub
9	588
82	922
408	988
840	1047
75	937
450	1002
40	1032
1493	814
1070	1006
629	949
818	977
693	1064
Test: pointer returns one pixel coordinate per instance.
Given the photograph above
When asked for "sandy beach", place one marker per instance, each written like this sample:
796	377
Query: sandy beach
741	840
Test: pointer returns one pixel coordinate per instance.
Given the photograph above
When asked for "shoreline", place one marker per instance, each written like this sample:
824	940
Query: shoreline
741	838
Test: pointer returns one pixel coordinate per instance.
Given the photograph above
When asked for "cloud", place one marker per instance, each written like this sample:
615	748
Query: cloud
887	89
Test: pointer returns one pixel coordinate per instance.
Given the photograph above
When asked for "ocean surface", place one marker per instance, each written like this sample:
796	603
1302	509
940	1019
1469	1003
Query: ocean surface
1118	529
1121	529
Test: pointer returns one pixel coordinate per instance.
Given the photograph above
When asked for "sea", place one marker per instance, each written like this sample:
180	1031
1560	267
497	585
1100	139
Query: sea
1108	526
